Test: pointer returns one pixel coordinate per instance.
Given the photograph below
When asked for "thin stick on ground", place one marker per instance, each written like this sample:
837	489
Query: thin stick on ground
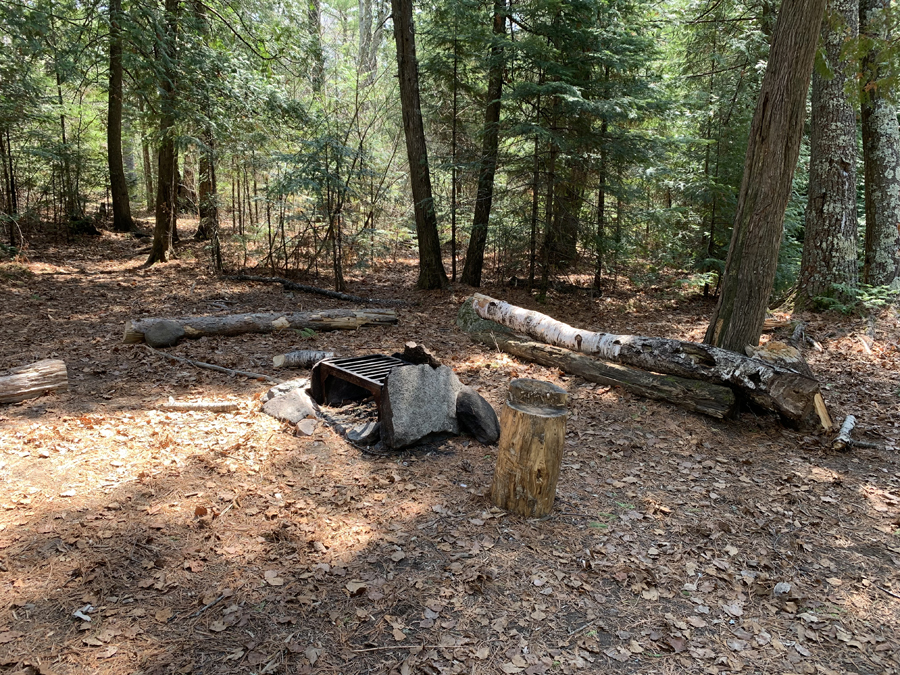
218	369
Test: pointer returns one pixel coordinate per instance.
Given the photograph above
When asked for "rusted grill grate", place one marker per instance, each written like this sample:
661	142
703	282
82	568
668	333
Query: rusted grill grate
368	372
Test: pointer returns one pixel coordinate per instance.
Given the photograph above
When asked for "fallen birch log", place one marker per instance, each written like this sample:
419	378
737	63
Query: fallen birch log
769	386
33	380
843	441
303	358
702	397
158	332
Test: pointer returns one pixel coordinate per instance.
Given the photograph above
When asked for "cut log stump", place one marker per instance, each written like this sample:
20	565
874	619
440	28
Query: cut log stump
532	432
31	381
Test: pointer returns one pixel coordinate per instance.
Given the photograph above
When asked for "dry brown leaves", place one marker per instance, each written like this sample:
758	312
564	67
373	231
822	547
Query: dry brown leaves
135	540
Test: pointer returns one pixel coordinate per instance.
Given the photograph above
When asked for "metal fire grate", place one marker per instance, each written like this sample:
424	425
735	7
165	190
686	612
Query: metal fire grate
368	372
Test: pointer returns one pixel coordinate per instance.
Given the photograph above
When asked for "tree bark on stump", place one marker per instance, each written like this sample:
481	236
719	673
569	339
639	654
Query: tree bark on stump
532	434
31	381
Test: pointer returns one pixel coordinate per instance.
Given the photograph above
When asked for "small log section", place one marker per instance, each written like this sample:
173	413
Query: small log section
532	432
237	324
701	397
303	358
31	381
844	441
767	385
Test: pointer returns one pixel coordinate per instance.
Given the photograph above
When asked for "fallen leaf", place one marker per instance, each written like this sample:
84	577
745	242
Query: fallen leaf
696	621
312	655
163	615
397	556
9	636
106	653
272	578
356	587
650	594
217	626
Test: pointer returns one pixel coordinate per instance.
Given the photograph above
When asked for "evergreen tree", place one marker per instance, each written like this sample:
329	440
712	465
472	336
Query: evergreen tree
829	245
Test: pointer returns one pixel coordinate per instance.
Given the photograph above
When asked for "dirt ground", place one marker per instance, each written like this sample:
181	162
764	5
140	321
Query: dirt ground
134	540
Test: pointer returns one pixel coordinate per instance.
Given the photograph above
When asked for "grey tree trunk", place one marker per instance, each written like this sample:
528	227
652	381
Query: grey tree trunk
881	154
167	172
118	184
431	268
314	19
772	152
491	141
829	245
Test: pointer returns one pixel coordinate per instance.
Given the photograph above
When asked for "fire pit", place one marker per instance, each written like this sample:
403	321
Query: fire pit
367	372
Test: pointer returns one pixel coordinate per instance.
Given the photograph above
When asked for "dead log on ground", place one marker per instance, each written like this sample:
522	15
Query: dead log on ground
159	332
294	286
303	358
769	386
33	380
843	441
702	397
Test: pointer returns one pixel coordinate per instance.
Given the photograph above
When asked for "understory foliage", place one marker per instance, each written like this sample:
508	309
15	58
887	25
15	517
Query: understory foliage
622	132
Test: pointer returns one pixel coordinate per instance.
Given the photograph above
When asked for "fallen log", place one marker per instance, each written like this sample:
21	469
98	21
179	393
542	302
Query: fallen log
303	358
767	385
33	380
158	332
294	286
843	441
702	397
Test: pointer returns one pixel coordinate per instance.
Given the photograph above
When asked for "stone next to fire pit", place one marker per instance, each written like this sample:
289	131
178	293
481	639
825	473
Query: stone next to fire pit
419	402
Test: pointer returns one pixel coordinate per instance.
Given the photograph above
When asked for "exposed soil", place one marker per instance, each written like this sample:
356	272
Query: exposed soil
197	542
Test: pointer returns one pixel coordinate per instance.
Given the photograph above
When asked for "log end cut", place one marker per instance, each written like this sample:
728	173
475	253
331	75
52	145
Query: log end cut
31	381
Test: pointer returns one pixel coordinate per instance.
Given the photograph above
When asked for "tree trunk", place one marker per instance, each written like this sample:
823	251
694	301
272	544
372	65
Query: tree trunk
529	454
154	330
764	384
702	397
829	244
166	175
118	183
31	381
431	268
491	140
314	21
881	153
303	358
148	171
772	152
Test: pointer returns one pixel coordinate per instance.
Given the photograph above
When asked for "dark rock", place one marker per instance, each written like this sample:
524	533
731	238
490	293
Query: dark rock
418	402
417	355
365	434
477	417
291	407
164	333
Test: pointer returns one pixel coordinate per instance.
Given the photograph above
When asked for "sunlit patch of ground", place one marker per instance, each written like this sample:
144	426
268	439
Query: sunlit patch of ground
222	543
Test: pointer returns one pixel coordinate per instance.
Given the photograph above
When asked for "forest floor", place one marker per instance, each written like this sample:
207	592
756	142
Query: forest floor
221	543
